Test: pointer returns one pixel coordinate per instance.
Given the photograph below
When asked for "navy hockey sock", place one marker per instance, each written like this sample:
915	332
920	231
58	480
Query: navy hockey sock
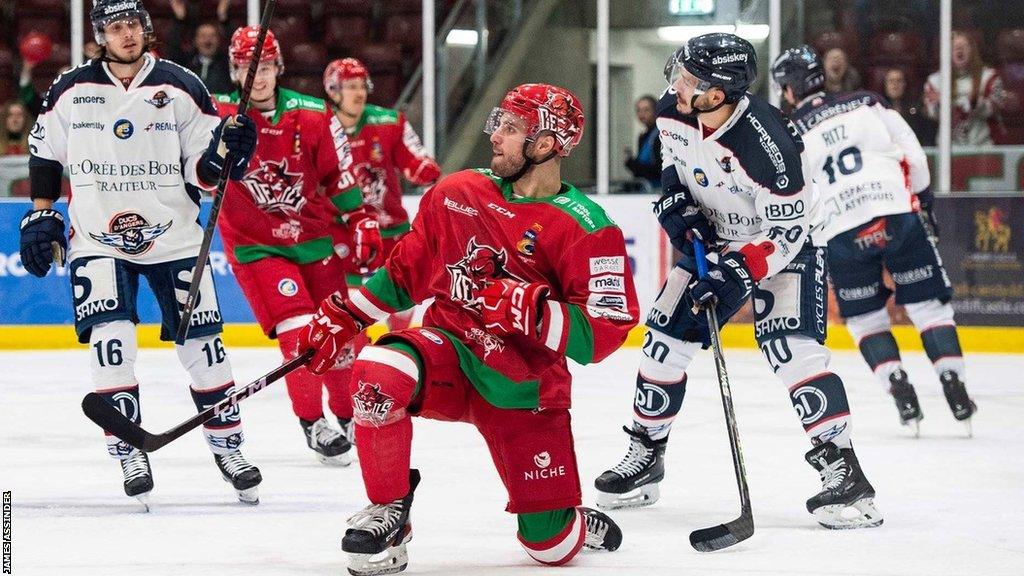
126	400
824	411
656	404
881	354
942	345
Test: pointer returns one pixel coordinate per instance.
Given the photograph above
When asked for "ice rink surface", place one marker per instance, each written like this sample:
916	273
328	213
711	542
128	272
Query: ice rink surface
952	506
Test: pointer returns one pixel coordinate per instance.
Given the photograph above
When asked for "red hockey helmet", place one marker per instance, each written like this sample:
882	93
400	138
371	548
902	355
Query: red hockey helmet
543	107
345	69
243	45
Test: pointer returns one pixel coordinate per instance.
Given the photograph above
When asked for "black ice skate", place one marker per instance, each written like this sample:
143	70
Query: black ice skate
331	446
906	401
348	428
138	477
602	532
956	395
376	541
241	474
846	499
633	482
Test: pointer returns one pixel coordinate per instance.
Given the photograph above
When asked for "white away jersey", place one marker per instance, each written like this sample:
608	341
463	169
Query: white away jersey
747	177
131	155
865	158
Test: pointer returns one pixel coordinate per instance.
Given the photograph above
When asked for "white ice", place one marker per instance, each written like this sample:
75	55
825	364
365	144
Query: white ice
951	505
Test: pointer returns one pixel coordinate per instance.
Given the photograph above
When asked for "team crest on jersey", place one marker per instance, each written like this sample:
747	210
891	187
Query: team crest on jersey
726	164
274	188
480	265
160	99
373	181
131	234
376	151
123	129
700	177
371	405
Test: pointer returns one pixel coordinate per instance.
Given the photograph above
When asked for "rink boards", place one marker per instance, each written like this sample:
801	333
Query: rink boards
37	313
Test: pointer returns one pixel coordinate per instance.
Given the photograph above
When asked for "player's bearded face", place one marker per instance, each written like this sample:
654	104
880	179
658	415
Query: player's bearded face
125	39
685	86
507	141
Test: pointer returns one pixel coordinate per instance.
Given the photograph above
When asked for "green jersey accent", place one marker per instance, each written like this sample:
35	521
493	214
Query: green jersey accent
302	253
374	115
348	200
580	345
396	230
384	289
286	100
587	213
495	387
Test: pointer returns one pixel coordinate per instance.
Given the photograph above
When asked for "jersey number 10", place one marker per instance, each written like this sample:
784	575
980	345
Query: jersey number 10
848	162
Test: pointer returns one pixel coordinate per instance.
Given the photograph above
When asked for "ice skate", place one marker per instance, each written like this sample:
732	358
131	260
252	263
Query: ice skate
602	532
138	477
906	401
846	499
331	446
956	395
241	474
348	428
633	482
376	539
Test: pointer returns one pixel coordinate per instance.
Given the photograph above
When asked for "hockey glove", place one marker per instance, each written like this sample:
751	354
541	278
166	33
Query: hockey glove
238	134
728	283
512	307
424	173
368	252
926	200
331	328
42	241
678	214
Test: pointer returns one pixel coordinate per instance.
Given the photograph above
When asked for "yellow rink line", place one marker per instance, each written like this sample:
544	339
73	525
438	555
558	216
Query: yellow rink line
972	338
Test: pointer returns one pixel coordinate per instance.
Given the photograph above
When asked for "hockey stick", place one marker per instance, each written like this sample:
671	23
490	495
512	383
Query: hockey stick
723	535
222	181
106	416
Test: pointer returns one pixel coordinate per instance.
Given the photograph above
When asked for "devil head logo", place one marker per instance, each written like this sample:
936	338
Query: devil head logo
274	188
370	405
481	265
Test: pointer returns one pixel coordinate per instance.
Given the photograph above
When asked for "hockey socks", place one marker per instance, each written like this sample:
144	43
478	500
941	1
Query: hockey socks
882	355
942	344
385	379
552	537
820	403
224	431
305	389
126	400
656	404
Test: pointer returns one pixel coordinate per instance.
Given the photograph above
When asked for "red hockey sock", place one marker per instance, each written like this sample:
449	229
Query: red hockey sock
304	388
338	381
561	547
384	382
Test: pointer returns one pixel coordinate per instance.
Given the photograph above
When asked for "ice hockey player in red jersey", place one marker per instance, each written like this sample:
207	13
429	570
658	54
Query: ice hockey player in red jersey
529	272
276	224
385	148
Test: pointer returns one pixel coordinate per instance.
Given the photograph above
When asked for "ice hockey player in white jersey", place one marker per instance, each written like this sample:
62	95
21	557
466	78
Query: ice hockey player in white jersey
733	177
134	133
876	212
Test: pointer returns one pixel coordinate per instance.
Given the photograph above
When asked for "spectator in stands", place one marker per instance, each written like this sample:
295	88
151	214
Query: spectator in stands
647	162
977	92
895	88
209	56
839	75
16	125
27	92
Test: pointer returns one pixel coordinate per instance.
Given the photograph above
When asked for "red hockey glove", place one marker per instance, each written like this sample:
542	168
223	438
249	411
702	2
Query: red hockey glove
425	173
331	328
368	250
509	306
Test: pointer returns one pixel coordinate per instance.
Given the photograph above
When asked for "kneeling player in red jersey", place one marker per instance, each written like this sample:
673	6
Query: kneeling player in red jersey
276	226
527	273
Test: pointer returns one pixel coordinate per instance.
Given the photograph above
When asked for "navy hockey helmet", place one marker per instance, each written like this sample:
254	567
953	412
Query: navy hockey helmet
800	69
105	12
718	60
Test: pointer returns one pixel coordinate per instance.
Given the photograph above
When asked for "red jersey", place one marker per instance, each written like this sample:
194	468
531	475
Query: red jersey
386	148
296	183
565	241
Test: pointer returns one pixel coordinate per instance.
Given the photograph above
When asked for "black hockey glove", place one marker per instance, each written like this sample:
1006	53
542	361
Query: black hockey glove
239	139
42	240
728	282
678	214
926	201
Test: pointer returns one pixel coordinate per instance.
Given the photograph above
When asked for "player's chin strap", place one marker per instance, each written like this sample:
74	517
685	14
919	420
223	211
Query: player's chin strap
529	163
693	105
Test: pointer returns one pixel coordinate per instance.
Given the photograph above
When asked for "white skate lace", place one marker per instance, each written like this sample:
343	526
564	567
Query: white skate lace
376	519
596	531
832	475
135	466
323	434
635	459
234	463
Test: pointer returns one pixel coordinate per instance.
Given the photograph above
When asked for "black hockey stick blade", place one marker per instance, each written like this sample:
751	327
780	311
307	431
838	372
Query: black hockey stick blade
108	417
723	535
